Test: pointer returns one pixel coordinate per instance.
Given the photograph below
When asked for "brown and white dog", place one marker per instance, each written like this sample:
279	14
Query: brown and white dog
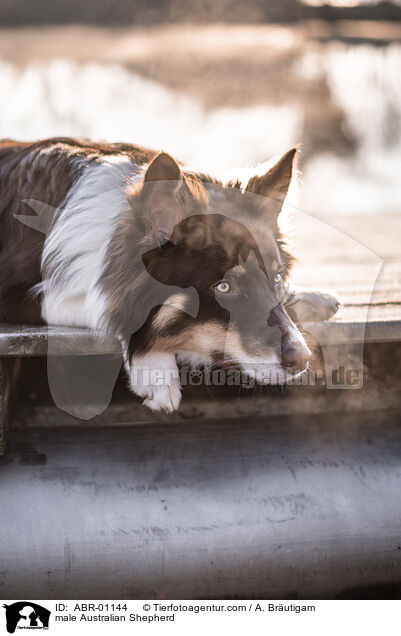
180	267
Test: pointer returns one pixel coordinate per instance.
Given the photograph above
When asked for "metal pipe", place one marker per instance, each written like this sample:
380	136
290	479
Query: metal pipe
281	507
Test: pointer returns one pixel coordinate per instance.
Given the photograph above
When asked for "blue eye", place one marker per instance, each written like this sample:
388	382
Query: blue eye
223	287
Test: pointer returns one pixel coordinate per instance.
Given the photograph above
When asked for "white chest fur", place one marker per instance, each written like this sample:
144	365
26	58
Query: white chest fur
75	249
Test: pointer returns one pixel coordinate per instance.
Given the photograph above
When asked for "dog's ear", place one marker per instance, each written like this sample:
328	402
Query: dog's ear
275	183
163	168
162	181
170	196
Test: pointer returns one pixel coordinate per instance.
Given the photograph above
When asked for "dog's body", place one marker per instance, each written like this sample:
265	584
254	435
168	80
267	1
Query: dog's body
177	265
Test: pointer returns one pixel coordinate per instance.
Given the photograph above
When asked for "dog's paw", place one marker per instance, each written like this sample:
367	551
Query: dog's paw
155	377
164	398
313	306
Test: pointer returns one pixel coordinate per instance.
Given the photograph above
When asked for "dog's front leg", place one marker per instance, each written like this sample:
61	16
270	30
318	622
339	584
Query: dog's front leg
155	377
312	306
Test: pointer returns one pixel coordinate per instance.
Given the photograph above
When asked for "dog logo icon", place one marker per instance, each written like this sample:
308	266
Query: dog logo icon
26	615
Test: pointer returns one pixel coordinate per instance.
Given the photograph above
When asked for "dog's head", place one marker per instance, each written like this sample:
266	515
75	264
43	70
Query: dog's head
224	243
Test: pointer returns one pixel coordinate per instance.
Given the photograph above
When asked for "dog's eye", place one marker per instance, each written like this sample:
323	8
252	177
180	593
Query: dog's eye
278	279
223	287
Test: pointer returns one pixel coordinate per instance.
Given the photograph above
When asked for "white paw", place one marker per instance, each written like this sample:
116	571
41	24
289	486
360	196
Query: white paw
155	377
164	398
325	305
311	306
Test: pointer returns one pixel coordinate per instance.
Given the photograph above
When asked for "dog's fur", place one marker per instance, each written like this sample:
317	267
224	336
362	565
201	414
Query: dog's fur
125	241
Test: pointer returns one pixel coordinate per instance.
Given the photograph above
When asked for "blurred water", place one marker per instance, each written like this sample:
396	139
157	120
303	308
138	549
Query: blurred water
108	102
62	97
366	82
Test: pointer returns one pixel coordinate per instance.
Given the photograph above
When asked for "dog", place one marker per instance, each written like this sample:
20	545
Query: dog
182	268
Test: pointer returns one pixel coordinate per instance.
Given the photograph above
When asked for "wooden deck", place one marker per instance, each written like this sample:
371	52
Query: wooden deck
359	257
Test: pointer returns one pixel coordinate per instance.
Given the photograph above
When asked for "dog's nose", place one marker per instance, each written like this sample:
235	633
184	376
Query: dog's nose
295	356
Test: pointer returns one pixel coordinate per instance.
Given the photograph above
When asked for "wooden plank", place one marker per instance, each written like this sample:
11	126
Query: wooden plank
39	341
348	327
336	333
358	257
203	408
